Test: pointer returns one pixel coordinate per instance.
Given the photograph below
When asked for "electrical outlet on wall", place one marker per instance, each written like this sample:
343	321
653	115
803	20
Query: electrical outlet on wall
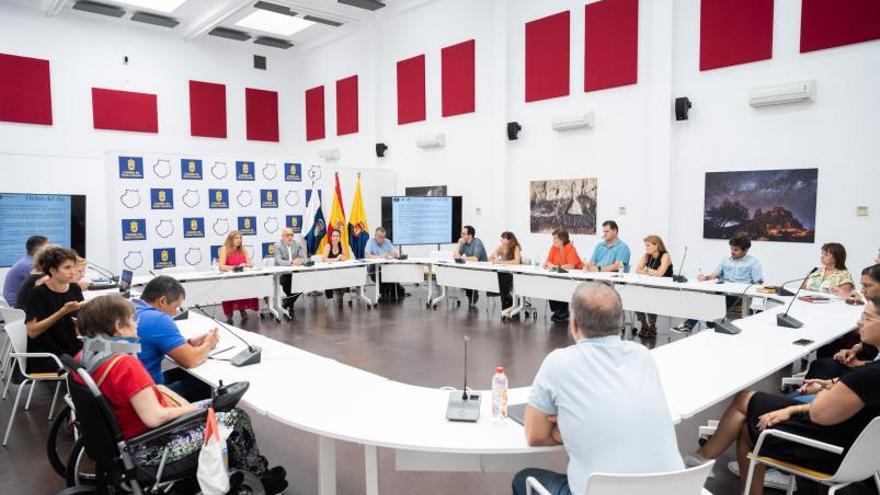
861	211
479	211
621	210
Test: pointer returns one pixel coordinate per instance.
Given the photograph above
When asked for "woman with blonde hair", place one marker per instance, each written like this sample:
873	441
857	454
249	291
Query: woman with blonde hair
509	252
656	262
233	254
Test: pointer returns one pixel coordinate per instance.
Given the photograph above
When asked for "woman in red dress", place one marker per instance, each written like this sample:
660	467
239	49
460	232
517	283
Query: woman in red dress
233	254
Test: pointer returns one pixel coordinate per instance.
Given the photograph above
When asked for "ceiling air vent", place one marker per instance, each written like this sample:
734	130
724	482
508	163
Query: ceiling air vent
320	20
156	20
99	8
274	7
273	42
231	34
363	4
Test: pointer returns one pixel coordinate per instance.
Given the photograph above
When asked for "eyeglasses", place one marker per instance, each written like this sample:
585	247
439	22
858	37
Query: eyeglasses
865	318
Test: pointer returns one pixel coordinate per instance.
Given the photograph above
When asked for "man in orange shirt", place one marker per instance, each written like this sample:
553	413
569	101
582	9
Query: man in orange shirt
562	255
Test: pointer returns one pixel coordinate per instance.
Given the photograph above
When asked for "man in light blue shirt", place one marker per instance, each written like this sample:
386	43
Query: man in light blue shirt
739	268
611	255
469	248
21	269
379	247
601	398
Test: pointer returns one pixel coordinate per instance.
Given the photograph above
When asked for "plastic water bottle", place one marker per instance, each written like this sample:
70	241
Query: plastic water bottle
214	265
499	394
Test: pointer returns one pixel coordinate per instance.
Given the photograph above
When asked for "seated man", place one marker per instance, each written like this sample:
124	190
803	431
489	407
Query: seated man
469	248
159	335
601	398
20	270
289	252
613	254
740	268
381	248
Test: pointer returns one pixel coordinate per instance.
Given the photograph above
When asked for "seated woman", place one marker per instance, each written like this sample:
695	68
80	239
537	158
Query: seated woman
509	252
564	256
51	308
832	276
656	262
335	251
233	254
81	280
837	416
140	405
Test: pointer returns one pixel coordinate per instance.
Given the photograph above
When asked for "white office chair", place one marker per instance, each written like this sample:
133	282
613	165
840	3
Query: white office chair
9	315
860	463
17	333
686	482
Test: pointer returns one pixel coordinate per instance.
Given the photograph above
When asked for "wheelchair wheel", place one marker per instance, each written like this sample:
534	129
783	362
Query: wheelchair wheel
80	467
62	437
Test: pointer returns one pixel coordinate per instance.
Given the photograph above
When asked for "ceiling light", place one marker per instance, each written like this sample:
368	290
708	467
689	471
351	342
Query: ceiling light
271	22
166	6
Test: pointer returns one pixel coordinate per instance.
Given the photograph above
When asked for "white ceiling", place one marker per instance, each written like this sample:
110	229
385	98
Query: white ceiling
198	17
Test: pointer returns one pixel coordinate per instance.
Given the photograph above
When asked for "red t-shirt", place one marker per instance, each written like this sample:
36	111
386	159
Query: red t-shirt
127	377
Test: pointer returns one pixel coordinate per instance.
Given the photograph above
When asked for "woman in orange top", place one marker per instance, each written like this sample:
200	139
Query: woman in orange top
562	255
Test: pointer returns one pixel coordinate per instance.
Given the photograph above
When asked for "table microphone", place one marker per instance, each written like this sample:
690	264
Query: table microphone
784	320
103	271
724	326
464	407
681	278
248	356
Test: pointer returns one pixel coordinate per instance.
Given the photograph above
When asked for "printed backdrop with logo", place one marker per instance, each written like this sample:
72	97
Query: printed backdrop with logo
176	210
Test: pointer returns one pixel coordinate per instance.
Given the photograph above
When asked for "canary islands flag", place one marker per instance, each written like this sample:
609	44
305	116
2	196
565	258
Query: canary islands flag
337	220
313	228
358	231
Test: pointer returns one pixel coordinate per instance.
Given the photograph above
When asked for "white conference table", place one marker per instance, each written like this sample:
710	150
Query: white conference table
339	402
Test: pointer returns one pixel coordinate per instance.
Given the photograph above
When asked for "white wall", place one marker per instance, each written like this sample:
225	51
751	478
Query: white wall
644	160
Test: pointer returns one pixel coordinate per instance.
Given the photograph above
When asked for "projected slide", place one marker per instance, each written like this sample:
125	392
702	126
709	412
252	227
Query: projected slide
24	215
422	220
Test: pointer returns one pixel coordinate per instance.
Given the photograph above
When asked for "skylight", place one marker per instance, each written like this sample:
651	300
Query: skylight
167	6
271	22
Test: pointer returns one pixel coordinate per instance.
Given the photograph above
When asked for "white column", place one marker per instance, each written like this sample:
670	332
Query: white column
657	14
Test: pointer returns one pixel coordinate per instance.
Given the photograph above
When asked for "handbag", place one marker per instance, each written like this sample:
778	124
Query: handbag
212	473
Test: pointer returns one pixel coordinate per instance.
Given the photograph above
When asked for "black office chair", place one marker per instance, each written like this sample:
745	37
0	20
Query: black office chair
115	470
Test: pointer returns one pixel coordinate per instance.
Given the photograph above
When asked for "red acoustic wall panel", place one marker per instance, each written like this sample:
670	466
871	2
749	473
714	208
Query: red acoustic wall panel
124	110
548	57
611	44
347	106
315	113
25	92
411	90
457	77
207	109
829	23
733	33
261	114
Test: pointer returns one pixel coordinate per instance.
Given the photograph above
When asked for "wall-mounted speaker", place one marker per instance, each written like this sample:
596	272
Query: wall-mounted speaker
381	148
513	129
682	105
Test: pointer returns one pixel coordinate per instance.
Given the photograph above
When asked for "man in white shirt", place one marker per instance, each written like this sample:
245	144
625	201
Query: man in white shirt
289	252
601	398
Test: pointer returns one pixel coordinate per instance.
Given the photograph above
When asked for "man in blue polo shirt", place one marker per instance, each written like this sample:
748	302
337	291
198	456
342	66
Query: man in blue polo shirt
611	255
159	335
739	268
379	247
20	270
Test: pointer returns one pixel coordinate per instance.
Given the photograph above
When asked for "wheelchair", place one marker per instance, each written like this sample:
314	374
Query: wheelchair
100	443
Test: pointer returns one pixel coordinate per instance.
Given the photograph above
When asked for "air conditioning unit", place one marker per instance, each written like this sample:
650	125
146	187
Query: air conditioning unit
431	141
331	154
574	121
781	94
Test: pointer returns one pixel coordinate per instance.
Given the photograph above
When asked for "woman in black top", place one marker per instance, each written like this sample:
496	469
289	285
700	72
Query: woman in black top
841	410
335	251
656	262
51	309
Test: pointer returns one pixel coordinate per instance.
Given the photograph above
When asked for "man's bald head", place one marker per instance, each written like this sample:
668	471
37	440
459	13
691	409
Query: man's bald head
596	310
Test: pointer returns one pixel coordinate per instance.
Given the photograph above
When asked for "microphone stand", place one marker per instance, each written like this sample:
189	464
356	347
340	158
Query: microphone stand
250	355
784	320
103	271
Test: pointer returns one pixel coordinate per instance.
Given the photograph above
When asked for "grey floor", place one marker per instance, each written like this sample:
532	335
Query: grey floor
401	340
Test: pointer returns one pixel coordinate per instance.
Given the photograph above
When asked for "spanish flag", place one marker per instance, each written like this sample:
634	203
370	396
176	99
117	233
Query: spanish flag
358	231
336	221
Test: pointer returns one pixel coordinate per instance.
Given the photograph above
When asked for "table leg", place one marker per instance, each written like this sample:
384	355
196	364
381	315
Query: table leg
430	285
378	283
371	464
326	466
746	304
276	296
439	298
518	304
